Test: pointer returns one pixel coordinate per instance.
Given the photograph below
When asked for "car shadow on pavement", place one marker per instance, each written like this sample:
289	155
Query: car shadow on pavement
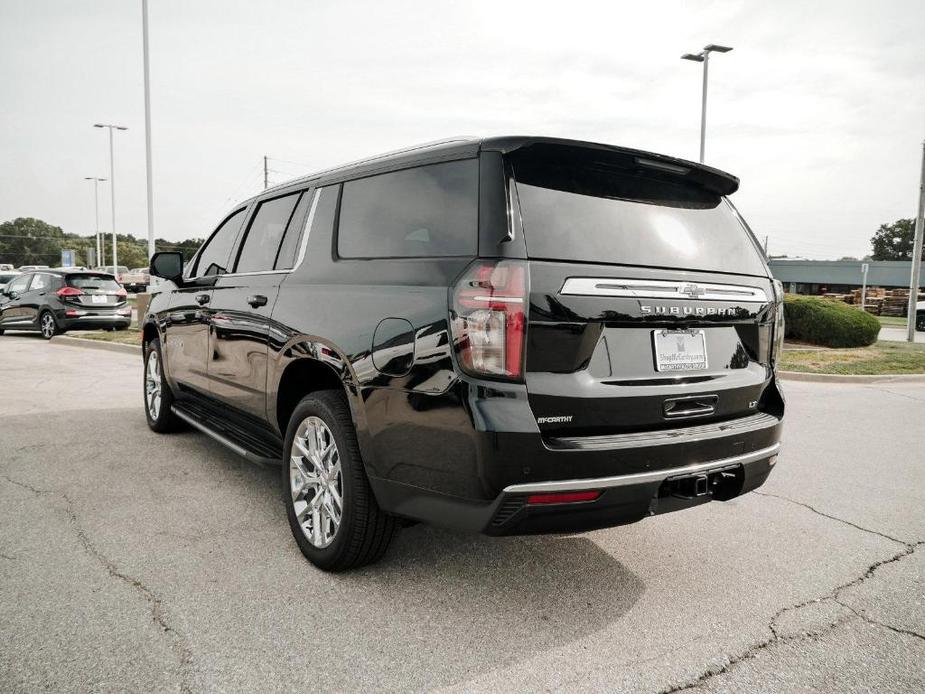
529	593
443	607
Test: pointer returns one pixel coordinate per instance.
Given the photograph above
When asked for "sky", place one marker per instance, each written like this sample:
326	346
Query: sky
819	109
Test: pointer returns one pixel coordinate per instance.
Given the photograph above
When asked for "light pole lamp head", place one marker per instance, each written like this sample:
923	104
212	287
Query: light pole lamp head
692	56
716	48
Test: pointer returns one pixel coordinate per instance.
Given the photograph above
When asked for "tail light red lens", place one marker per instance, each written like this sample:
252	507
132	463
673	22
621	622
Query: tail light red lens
562	498
121	292
68	291
489	318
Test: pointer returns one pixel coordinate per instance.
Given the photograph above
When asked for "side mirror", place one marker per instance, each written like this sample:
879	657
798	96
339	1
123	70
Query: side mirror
167	265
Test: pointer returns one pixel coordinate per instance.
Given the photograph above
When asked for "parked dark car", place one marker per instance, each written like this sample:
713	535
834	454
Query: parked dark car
54	301
507	335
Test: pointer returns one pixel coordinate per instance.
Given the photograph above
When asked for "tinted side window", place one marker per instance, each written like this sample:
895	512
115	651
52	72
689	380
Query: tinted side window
258	252
19	284
213	259
39	281
289	249
427	211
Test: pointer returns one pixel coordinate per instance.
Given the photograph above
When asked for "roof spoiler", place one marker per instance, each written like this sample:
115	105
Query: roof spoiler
706	177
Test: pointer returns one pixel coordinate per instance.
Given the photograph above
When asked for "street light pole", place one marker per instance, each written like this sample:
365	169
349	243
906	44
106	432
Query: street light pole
915	279
96	209
704	57
112	192
148	172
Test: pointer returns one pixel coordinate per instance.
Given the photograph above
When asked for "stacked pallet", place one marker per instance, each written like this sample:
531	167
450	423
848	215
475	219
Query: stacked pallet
873	300
883	302
896	303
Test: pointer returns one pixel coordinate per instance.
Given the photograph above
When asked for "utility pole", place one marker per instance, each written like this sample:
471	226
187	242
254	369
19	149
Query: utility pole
96	208
765	245
148	167
864	268
915	279
112	192
266	179
704	57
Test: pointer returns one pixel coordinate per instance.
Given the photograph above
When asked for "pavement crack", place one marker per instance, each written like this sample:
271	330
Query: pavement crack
26	485
777	638
158	613
870	620
831	517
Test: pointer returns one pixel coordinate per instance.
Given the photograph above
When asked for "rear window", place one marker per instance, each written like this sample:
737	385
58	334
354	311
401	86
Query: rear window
428	211
90	283
598	212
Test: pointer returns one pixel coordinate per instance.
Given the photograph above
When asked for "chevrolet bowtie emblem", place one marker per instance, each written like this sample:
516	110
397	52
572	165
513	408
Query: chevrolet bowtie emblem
692	290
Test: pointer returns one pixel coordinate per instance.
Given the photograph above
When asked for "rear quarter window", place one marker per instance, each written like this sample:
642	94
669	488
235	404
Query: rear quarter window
427	211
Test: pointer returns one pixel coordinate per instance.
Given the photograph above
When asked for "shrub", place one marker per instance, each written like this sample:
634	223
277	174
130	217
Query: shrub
827	322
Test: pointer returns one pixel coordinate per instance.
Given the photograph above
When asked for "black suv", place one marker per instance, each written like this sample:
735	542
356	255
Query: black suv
55	301
506	335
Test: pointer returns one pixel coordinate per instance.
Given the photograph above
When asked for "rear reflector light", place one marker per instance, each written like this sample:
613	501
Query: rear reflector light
489	318
562	498
73	313
68	291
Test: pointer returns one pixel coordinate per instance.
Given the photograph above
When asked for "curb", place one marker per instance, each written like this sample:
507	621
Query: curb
843	378
95	344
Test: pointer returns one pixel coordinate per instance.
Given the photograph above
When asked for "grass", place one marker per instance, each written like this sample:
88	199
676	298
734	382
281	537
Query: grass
881	358
893	321
132	336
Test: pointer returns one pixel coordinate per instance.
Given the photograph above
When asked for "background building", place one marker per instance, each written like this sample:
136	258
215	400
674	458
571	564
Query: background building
839	276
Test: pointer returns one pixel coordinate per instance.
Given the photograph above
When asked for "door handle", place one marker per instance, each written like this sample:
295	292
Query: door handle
257	300
202	299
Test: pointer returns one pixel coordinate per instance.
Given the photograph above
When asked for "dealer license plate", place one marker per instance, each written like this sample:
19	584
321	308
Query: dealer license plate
680	350
99	299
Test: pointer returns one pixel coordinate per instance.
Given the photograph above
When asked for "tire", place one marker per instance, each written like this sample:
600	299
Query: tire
920	322
364	531
48	326
156	392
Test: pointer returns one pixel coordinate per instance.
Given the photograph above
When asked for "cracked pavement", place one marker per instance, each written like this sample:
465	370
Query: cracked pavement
131	561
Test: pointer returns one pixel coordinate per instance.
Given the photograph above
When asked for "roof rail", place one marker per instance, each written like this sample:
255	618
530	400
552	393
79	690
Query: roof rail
367	160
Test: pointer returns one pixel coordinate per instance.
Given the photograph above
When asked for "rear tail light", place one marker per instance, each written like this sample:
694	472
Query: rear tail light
562	498
121	292
777	345
68	291
489	318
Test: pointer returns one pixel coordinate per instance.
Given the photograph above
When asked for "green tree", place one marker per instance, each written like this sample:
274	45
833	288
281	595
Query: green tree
894	241
30	241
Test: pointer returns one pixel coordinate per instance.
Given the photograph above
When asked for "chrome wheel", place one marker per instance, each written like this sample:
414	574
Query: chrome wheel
316	482
48	326
153	385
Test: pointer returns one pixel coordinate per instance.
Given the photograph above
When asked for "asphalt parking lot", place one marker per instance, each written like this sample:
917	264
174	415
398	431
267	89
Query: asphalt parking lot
131	561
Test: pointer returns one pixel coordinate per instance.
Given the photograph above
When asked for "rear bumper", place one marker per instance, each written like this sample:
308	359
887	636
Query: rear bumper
479	469
623	498
94	322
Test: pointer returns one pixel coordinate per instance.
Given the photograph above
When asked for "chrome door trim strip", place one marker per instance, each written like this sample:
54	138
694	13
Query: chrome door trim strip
662	289
641	477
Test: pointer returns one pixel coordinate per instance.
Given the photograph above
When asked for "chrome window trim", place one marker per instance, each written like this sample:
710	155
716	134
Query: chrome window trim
309	219
661	289
302	246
